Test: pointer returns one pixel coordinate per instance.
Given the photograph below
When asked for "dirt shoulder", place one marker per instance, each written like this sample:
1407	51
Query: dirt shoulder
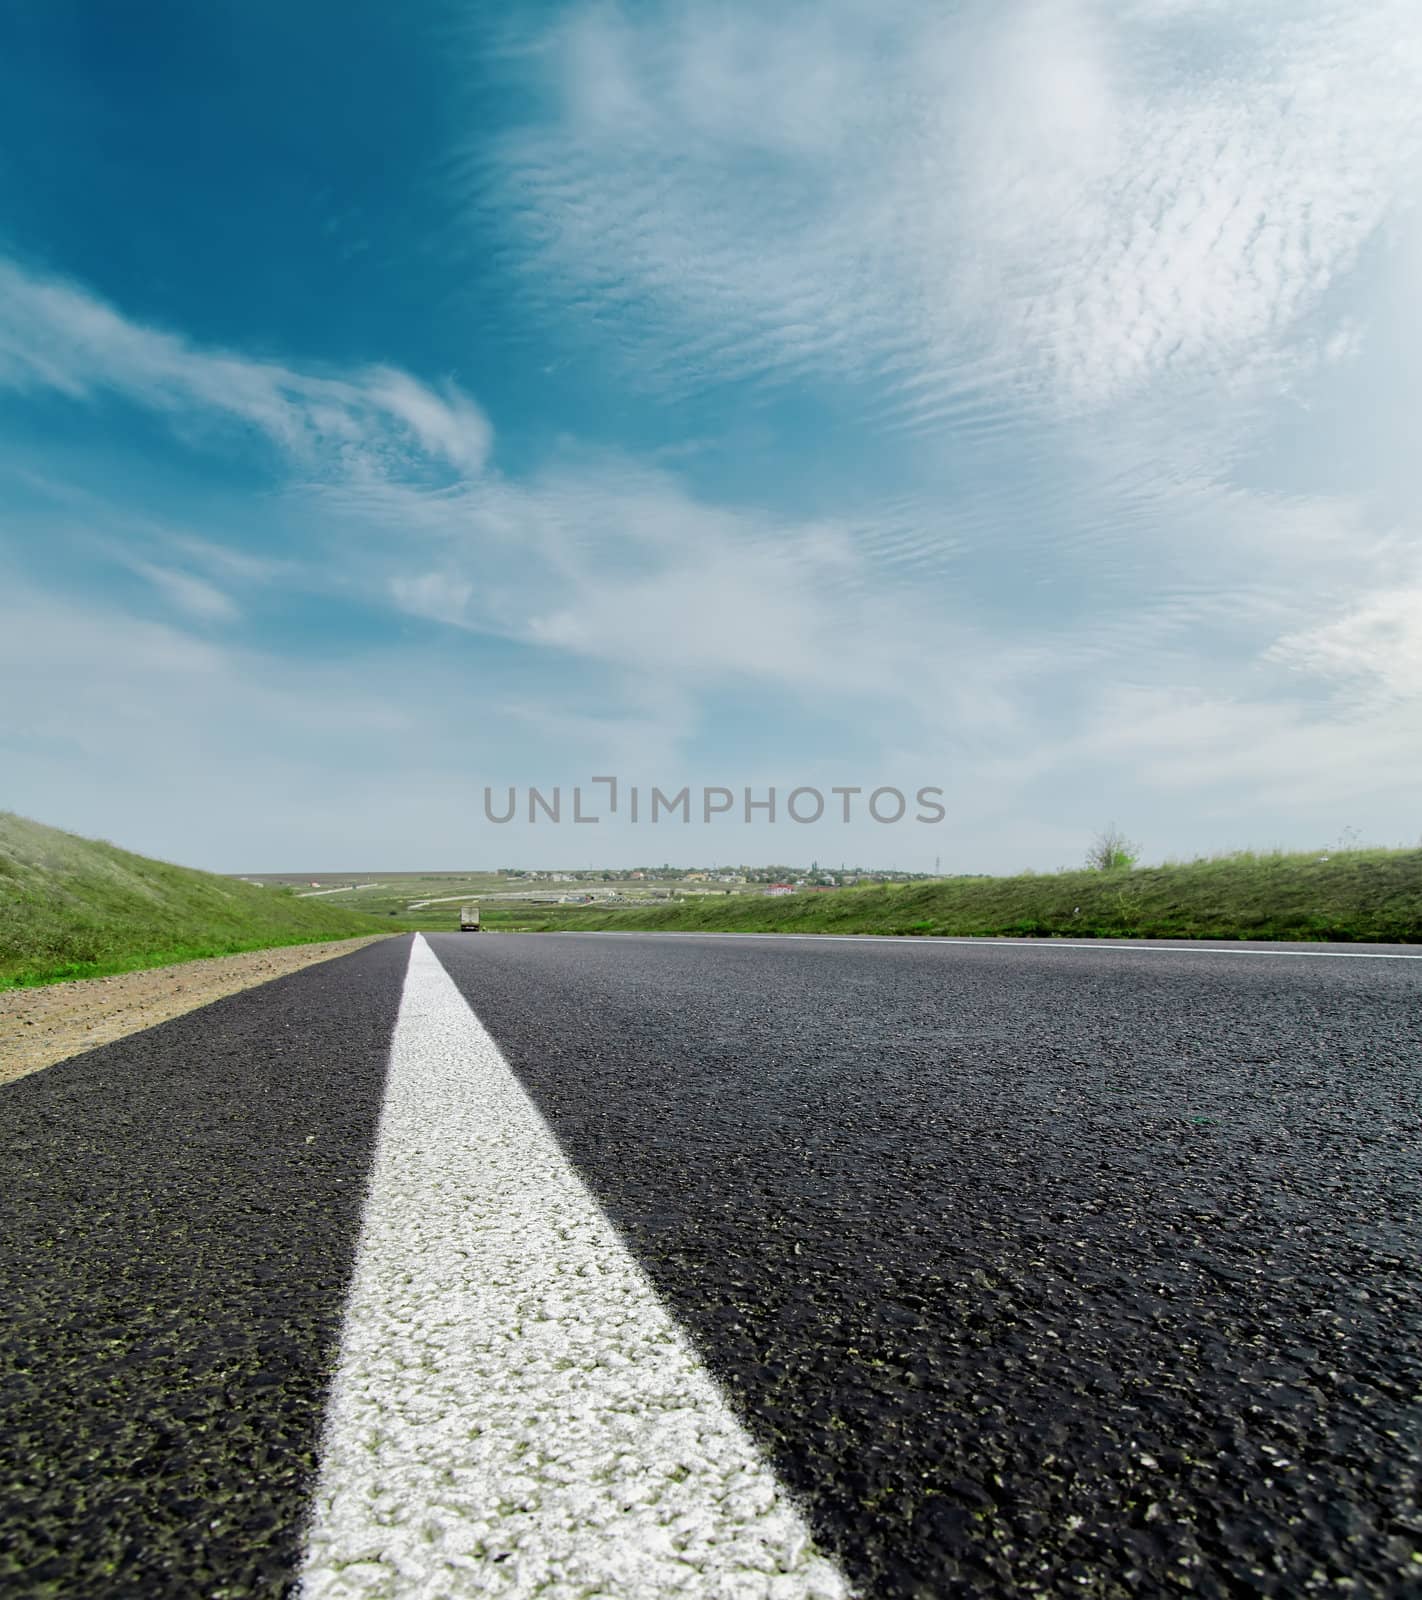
41	1026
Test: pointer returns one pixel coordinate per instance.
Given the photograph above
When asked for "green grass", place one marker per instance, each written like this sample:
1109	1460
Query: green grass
1353	896
383	894
79	908
72	907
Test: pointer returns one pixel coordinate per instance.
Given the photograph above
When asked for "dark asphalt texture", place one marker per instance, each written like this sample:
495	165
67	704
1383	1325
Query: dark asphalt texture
1038	1272
178	1219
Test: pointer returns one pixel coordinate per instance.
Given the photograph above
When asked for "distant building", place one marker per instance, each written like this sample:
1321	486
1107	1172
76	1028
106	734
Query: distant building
781	888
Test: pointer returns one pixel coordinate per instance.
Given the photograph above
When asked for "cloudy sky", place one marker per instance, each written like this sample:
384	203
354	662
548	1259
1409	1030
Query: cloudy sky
1015	398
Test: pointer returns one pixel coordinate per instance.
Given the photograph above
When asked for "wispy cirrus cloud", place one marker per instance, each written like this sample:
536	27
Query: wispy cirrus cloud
1047	206
55	335
1178	674
597	558
195	596
1050	370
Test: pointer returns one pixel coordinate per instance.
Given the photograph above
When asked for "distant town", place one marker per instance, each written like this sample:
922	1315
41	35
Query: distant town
773	877
668	881
414	891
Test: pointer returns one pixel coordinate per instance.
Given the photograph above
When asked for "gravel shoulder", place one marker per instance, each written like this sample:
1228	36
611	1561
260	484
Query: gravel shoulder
45	1025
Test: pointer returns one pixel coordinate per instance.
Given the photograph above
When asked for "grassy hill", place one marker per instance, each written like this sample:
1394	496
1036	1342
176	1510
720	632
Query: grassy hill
73	907
78	908
1354	895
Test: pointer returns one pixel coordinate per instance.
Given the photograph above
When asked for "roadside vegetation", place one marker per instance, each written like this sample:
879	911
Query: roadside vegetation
74	908
1345	896
1111	850
78	908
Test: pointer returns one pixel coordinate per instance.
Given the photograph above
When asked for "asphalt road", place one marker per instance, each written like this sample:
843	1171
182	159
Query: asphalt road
1031	1270
178	1218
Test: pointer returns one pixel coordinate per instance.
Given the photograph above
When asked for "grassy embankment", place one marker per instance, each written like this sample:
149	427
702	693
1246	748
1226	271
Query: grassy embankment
78	908
1352	896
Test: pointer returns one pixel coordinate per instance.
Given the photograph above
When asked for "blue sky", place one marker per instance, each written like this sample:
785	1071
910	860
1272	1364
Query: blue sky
1018	399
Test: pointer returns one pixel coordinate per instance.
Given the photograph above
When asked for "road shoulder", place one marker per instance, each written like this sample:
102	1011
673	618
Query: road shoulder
42	1026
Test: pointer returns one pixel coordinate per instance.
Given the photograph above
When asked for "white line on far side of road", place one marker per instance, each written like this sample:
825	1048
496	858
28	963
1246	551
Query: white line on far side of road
514	1411
989	943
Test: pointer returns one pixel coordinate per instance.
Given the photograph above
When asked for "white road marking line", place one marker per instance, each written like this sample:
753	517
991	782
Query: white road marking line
987	942
514	1411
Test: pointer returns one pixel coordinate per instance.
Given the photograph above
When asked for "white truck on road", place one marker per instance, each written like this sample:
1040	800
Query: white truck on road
469	919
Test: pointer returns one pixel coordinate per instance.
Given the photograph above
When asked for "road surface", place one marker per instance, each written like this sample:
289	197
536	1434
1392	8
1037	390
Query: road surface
628	1265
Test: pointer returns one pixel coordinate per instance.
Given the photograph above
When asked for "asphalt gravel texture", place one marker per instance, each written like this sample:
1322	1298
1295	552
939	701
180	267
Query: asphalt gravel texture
1036	1271
178	1219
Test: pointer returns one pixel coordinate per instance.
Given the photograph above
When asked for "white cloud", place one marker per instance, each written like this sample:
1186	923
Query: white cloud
1189	640
1048	205
54	335
1274	761
596	558
214	754
233	565
448	425
195	596
643	729
621	564
1376	646
617	567
433	595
